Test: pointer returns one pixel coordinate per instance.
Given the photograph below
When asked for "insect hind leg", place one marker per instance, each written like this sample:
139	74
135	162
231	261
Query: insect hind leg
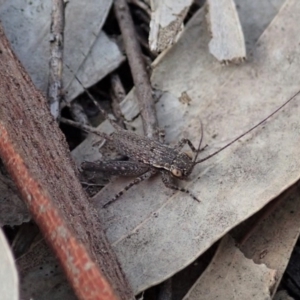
136	181
167	180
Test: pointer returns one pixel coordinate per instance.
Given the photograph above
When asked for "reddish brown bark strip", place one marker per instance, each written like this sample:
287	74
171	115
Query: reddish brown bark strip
38	141
85	277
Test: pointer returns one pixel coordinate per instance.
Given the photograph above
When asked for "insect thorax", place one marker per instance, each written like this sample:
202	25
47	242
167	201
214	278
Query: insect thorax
153	153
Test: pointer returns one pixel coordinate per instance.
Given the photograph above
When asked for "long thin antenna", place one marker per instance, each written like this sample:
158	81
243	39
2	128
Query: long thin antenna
258	124
103	112
199	146
85	128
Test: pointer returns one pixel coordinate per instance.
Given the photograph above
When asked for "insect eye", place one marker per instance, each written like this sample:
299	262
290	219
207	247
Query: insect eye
176	172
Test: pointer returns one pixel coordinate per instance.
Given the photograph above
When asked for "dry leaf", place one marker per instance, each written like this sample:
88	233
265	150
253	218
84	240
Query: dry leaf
275	237
232	276
269	245
166	22
156	232
89	149
86	51
227	43
9	287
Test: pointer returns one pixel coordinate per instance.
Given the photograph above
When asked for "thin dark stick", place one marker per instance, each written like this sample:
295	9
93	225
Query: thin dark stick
138	69
55	87
252	128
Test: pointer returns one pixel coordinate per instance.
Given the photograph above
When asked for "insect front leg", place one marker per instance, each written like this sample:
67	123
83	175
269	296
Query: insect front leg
183	142
147	175
168	181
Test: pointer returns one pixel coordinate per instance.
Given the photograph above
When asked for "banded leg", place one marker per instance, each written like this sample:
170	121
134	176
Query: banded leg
137	180
168	181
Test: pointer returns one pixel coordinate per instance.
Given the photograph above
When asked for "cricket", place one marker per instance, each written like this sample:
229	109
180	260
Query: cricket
149	157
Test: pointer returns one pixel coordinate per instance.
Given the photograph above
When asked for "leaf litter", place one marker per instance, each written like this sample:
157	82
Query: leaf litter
89	52
275	236
156	232
267	250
